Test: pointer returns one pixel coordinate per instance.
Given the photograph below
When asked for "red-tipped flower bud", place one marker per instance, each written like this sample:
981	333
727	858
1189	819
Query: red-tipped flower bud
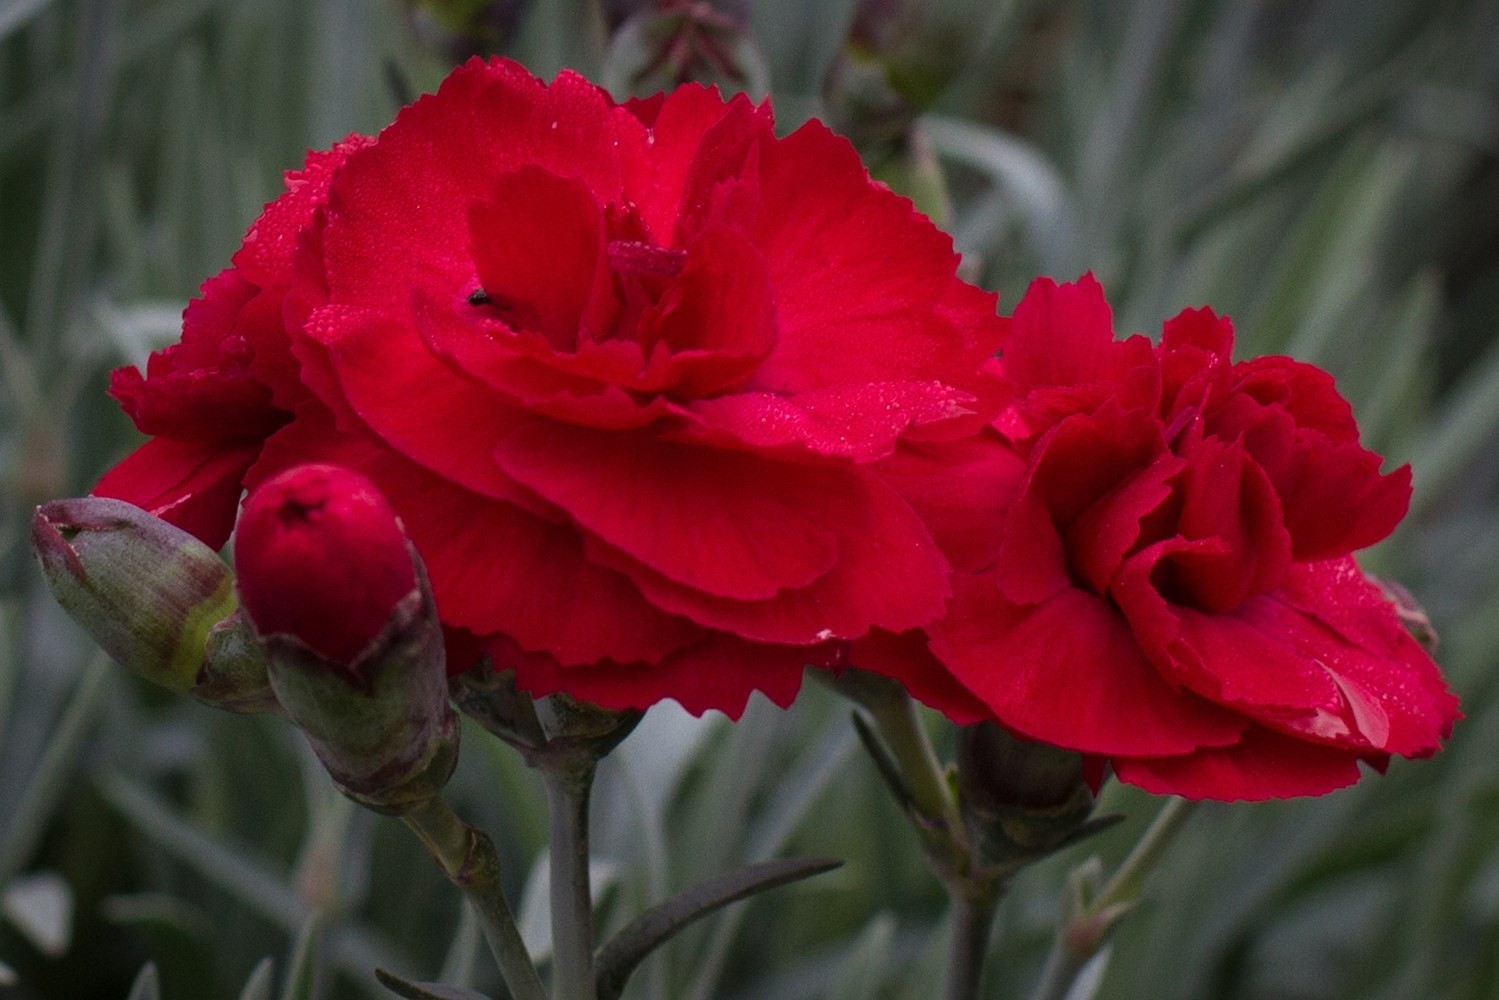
340	605
322	557
154	597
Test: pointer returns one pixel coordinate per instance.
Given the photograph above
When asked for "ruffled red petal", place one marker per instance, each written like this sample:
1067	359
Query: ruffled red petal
1068	671
907	658
718	672
192	484
850	310
1263	765
958	488
670	506
888	574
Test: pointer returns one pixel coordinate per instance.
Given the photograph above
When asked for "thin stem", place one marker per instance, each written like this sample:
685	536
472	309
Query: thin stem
569	782
468	858
972	920
900	724
1081	938
1130	878
1061	970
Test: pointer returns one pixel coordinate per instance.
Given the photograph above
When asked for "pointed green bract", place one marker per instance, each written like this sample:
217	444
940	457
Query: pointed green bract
382	724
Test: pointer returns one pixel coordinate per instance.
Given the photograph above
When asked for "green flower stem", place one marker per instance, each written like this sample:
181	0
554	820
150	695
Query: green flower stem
1063	965
468	858
975	894
900	724
569	781
1082	937
972	919
1127	882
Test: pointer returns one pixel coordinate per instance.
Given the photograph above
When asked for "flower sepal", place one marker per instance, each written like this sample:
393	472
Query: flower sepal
380	723
1022	800
233	674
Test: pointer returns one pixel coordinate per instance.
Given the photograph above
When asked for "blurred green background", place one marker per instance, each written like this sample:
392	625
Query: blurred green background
1325	171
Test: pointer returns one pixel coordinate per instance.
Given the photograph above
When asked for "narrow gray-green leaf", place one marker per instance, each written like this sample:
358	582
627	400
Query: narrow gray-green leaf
800	41
1463	428
618	958
54	774
867	963
261	982
463	954
886	767
1407	338
424	991
354	949
15	14
302	971
1027	181
1090	977
651	818
40	906
801	787
247	880
1330	129
147	985
564	34
158	909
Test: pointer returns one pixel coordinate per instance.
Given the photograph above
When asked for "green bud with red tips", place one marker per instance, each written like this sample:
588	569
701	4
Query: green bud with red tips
159	601
340	605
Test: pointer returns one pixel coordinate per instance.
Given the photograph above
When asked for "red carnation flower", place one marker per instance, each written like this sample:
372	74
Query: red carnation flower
1152	563
623	371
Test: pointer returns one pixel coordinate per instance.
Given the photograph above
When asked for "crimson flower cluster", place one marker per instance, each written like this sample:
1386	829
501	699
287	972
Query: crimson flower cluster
1152	563
672	407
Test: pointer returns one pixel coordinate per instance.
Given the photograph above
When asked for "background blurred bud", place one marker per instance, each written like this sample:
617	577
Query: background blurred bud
915	172
1021	799
149	593
322	557
680	41
901	56
1412	615
466	28
341	607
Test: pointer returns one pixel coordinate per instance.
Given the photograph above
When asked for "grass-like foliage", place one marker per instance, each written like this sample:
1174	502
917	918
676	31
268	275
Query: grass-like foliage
1326	172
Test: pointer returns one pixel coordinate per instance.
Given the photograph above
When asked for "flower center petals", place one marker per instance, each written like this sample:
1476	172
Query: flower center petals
636	257
538	246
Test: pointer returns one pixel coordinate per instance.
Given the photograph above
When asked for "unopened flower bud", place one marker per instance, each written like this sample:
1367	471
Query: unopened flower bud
341	606
1021	799
899	58
322	557
465	28
147	592
673	42
154	597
